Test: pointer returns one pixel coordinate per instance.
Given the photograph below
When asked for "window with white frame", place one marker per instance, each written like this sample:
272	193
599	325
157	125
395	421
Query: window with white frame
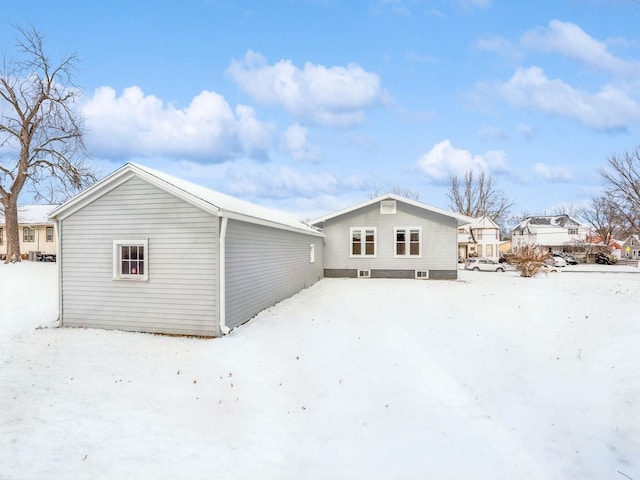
312	253
573	231
408	241
130	259
49	234
363	241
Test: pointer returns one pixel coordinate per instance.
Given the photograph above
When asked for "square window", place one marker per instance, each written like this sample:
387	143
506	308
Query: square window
129	260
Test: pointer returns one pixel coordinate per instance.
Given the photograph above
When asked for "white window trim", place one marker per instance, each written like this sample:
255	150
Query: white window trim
117	275
408	249
363	242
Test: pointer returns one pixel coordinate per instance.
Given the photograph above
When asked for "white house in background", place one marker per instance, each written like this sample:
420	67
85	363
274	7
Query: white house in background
481	238
144	251
391	237
35	228
557	232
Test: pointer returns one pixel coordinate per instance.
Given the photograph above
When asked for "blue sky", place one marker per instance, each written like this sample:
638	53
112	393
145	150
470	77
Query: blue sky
313	105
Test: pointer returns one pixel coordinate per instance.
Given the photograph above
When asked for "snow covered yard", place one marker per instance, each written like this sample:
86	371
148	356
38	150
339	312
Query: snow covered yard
492	376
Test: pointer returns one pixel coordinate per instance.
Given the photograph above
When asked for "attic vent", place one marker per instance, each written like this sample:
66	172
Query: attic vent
422	274
364	273
387	207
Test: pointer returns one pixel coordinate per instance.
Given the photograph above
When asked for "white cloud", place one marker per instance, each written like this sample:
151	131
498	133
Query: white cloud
570	40
493	134
608	109
553	173
474	3
335	96
525	131
273	181
296	144
444	160
207	130
500	45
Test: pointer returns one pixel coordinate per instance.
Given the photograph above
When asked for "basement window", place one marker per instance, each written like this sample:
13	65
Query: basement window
130	260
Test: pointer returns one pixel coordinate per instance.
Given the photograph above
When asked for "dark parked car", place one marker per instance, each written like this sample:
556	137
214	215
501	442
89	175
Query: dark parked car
604	259
570	259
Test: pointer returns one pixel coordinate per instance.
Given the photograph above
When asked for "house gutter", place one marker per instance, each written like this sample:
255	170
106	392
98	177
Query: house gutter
222	286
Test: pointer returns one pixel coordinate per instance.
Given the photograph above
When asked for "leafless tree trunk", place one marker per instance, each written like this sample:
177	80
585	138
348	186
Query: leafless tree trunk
40	133
622	175
477	197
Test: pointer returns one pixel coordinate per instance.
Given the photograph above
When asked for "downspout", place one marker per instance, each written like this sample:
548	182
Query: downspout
58	238
222	284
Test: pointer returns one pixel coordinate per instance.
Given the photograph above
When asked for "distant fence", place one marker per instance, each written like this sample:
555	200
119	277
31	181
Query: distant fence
628	262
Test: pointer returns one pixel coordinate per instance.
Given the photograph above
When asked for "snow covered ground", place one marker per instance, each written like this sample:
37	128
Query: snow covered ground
492	376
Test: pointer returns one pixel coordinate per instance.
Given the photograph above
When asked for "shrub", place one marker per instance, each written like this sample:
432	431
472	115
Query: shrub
530	260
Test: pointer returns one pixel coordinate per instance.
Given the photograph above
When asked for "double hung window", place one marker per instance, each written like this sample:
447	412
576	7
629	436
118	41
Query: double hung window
363	241
28	234
408	241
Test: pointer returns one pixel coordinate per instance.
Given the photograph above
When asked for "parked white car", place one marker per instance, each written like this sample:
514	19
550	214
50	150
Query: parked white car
485	265
557	261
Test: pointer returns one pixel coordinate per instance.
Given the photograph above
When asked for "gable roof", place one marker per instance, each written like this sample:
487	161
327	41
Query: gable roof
461	219
560	221
483	222
211	201
32	215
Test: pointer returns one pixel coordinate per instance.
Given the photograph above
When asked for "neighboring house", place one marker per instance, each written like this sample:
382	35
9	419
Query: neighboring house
391	236
35	228
144	251
481	238
554	231
631	248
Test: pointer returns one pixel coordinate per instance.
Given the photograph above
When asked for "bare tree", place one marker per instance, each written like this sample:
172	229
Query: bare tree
396	190
602	215
40	132
477	197
622	176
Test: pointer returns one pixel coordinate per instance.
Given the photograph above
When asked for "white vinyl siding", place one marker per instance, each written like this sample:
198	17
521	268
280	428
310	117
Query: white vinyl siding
265	265
180	294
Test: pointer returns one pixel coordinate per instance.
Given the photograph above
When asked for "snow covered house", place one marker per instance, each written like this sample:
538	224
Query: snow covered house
554	231
481	238
393	237
36	231
144	251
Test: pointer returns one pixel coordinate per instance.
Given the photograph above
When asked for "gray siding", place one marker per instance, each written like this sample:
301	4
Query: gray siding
265	265
182	263
439	240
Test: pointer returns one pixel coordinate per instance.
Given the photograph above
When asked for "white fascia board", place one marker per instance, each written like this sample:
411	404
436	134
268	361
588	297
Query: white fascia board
461	219
119	177
268	223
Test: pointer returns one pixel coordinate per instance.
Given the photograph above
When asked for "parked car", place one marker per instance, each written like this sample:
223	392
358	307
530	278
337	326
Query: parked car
549	268
485	265
604	259
570	259
558	261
